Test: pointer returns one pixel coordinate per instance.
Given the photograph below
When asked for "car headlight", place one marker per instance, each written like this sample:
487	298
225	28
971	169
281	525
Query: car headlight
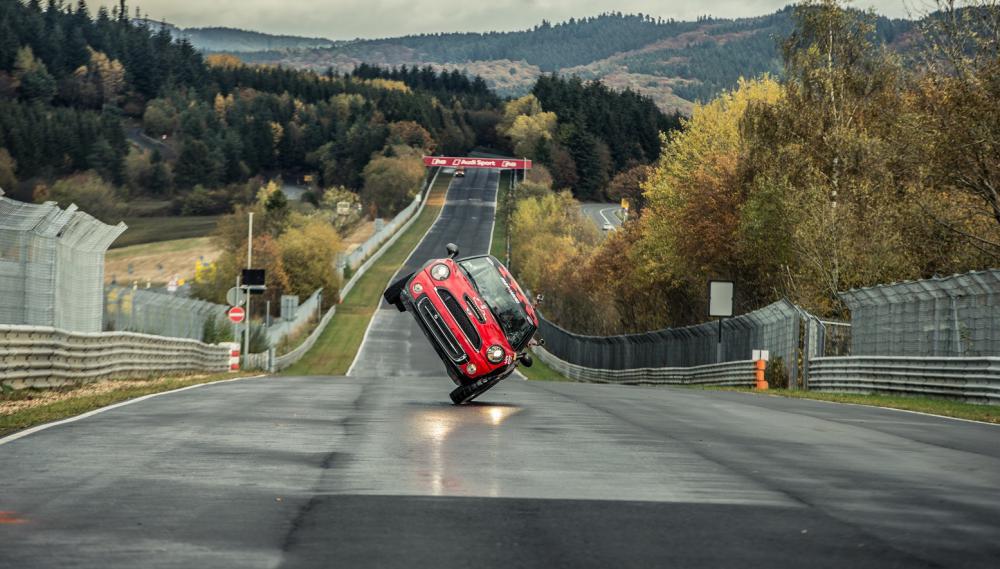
418	288
495	354
470	369
440	271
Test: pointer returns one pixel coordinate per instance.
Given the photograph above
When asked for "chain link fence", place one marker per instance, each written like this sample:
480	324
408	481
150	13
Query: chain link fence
776	327
956	316
52	265
137	310
301	316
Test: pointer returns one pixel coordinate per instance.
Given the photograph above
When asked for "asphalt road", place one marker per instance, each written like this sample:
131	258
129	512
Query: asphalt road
602	213
378	469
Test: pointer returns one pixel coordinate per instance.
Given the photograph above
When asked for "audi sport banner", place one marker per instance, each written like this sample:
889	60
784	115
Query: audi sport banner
501	163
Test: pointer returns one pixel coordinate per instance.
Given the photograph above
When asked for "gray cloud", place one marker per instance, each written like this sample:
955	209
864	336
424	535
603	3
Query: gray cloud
348	19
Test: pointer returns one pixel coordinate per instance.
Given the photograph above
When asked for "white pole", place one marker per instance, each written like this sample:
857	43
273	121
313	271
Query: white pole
246	331
250	241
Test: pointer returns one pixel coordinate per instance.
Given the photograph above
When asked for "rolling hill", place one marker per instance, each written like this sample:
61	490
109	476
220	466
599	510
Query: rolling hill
232	40
674	62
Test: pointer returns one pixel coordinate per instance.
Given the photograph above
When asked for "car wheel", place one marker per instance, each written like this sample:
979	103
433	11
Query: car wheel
527	360
466	393
392	294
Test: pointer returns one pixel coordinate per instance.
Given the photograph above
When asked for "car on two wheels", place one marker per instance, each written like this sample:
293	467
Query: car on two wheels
476	316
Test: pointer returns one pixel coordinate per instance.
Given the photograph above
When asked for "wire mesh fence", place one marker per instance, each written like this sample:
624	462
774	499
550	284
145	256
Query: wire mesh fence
956	316
302	314
137	310
52	265
775	328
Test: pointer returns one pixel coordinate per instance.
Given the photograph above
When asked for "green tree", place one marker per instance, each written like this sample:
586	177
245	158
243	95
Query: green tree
36	84
197	164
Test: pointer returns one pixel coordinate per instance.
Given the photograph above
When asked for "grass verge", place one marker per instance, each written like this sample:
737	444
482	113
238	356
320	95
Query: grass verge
539	371
165	228
30	407
336	347
499	246
932	406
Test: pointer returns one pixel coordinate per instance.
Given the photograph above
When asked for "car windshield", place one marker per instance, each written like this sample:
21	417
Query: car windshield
500	298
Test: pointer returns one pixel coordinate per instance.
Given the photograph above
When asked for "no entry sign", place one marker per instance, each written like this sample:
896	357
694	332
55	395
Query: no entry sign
456	162
237	314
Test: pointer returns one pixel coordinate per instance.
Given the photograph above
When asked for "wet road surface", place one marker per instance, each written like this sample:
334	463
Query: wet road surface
378	469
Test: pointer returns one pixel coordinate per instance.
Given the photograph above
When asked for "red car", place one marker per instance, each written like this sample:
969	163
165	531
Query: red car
475	315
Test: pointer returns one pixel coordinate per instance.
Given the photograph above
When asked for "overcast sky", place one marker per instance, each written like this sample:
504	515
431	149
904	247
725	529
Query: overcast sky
348	19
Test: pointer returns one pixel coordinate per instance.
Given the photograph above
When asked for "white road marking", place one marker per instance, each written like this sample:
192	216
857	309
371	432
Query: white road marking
32	430
368	329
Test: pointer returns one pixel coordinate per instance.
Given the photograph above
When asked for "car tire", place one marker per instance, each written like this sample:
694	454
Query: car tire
527	360
466	393
392	295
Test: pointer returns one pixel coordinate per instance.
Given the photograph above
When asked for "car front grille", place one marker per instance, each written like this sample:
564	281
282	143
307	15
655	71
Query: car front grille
475	310
440	330
461	317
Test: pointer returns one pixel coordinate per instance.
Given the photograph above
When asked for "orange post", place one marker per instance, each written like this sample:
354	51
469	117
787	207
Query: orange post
761	365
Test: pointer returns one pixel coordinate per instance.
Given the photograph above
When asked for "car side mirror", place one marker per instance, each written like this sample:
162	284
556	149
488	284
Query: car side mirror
452	250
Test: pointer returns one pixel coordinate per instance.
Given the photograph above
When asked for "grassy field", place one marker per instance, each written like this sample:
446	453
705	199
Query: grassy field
339	343
541	372
29	407
166	228
158	262
499	247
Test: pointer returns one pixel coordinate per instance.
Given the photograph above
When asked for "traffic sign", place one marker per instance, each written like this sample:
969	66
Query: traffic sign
237	314
457	162
236	297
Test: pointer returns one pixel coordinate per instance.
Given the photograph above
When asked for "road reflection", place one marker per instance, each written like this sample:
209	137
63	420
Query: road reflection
459	469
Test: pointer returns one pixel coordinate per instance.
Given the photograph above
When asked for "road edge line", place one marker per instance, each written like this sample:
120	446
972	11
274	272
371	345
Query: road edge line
368	328
32	430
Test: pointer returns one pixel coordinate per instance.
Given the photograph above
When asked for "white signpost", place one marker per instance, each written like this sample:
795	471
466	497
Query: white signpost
720	305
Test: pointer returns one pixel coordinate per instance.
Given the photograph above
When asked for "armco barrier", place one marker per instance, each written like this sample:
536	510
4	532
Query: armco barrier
36	356
730	374
774	327
975	380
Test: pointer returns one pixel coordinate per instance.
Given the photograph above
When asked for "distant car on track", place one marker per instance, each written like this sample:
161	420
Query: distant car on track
608	227
475	315
460	173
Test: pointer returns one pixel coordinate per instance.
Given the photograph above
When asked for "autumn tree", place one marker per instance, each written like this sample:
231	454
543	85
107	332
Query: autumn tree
309	253
695	200
8	169
391	182
958	99
34	81
90	193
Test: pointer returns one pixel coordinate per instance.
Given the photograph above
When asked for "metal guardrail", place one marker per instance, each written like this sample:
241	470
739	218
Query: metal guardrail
285	361
775	327
305	311
730	374
975	380
41	356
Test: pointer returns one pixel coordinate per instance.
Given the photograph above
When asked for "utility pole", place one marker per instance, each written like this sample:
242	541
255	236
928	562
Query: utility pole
246	334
